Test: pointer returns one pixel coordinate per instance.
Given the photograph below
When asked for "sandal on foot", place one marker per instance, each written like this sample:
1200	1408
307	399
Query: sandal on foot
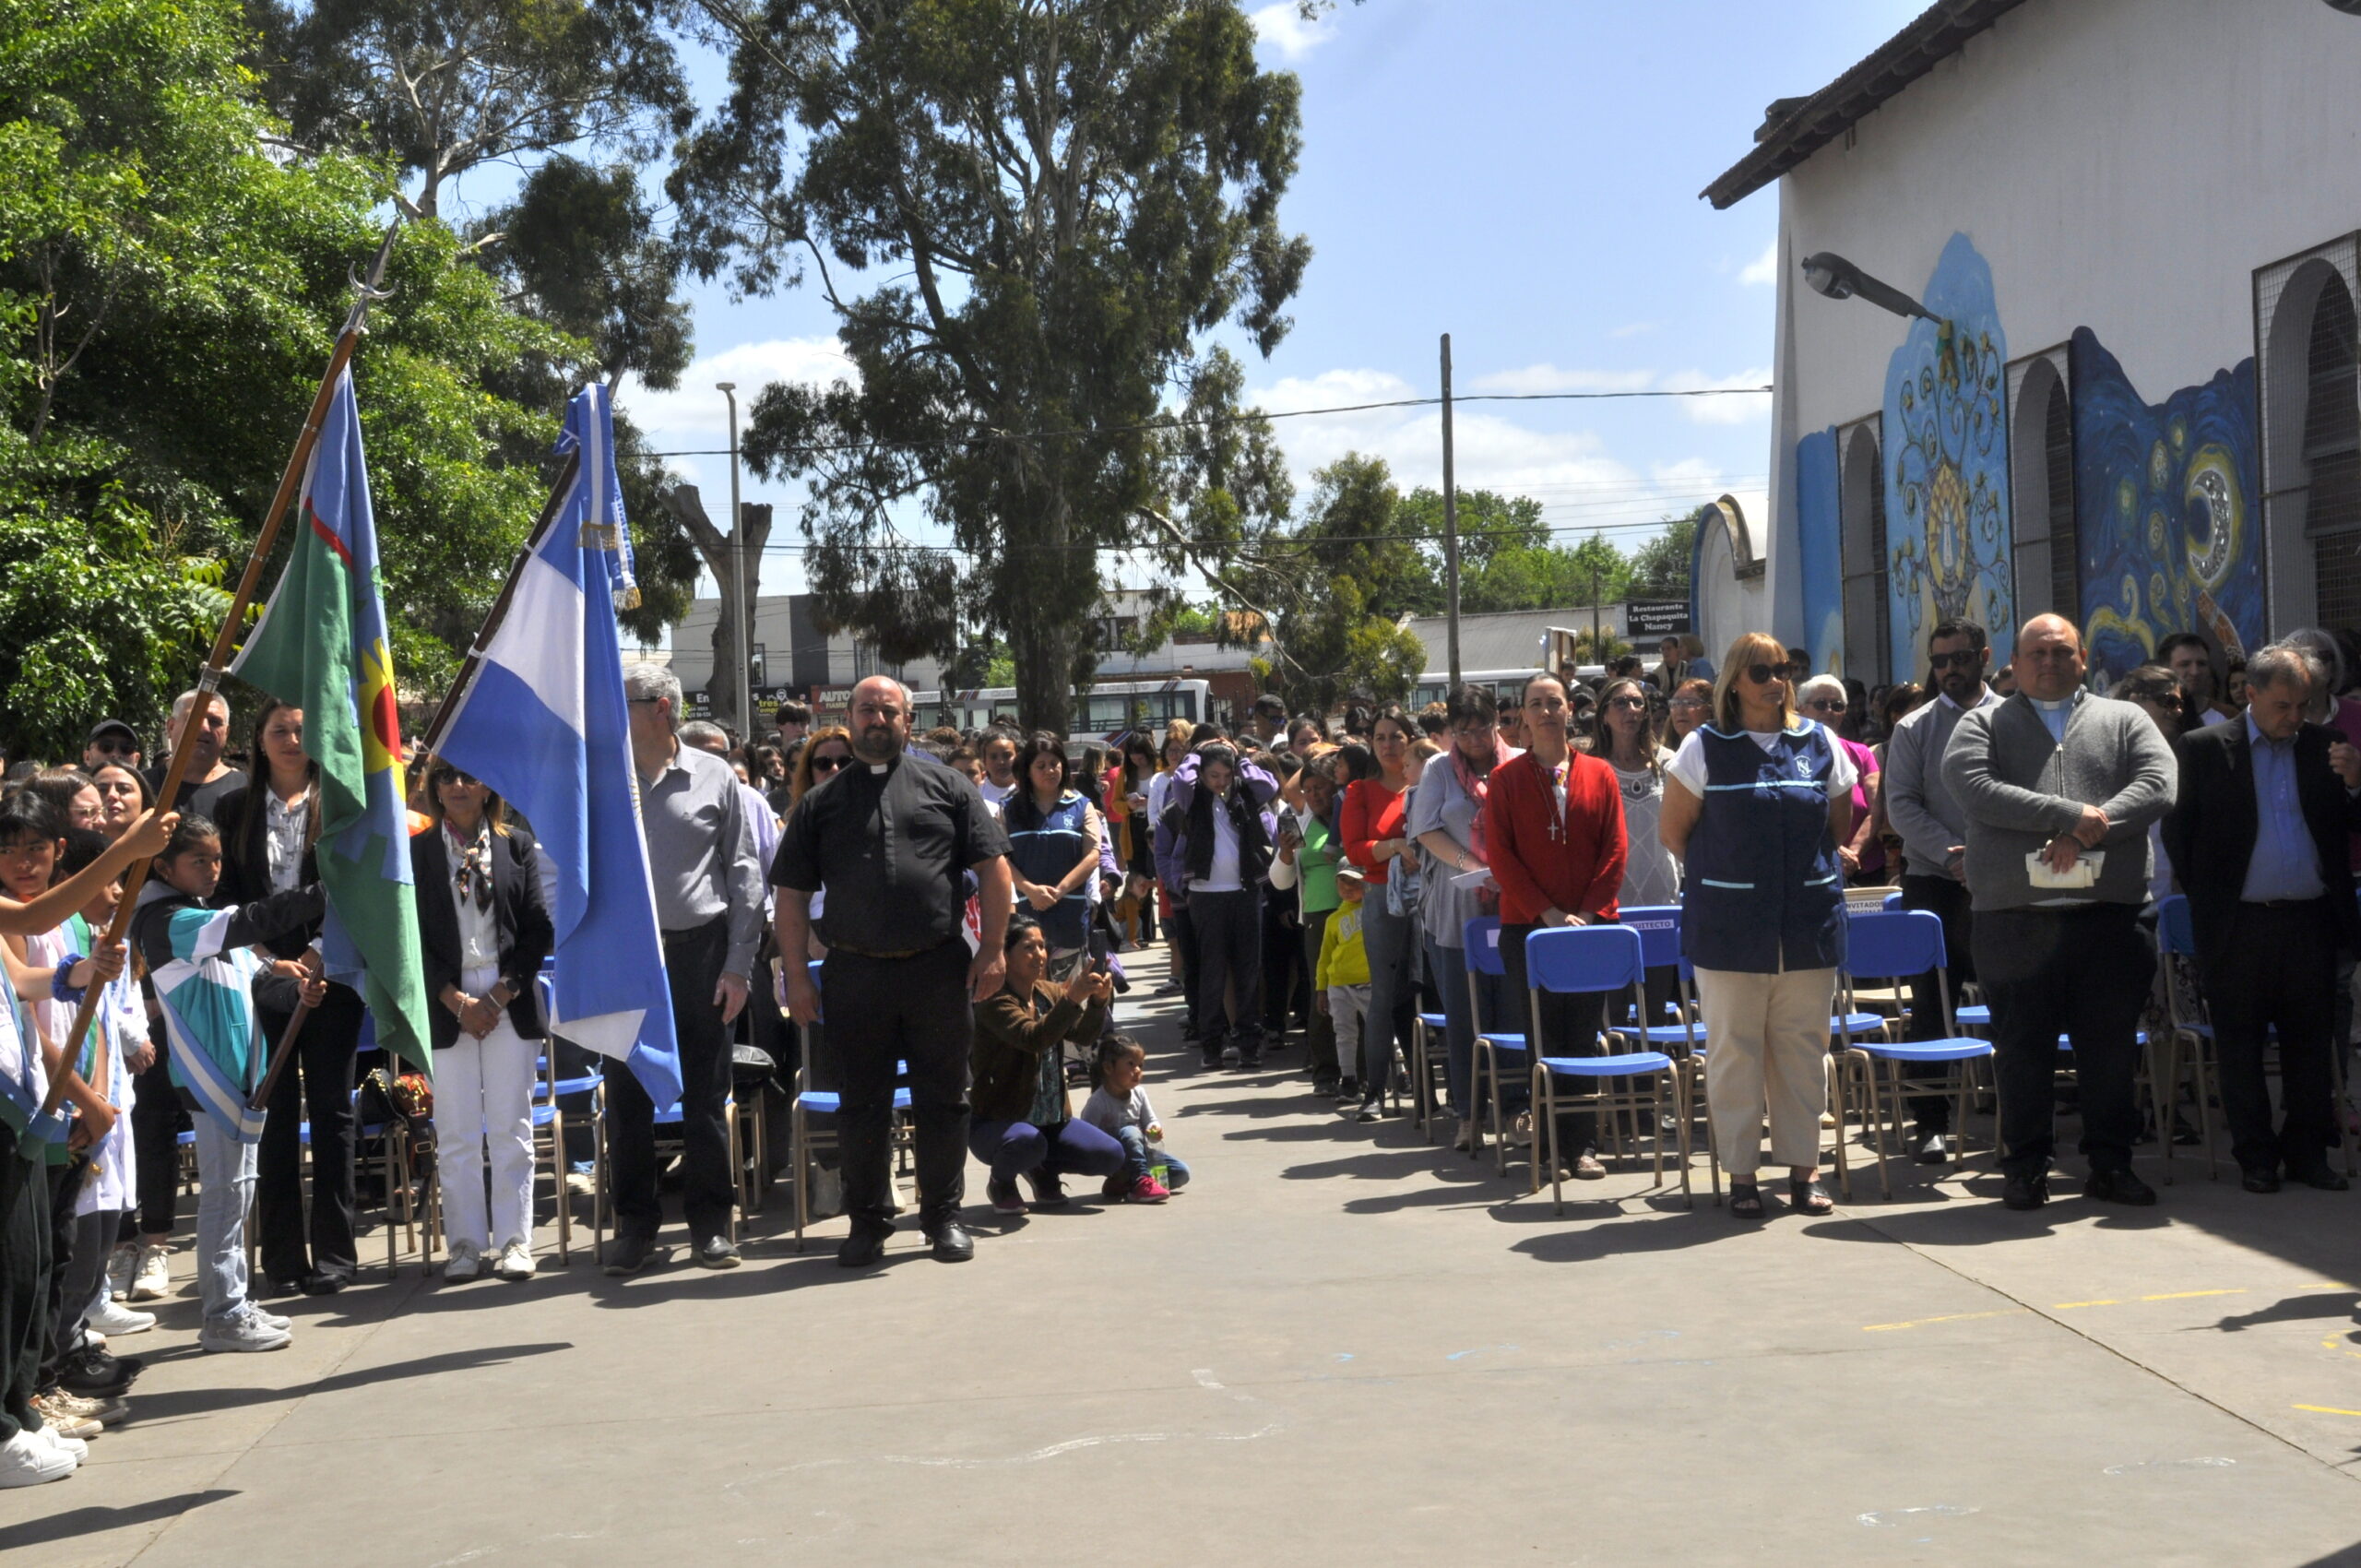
1809	1197
1746	1200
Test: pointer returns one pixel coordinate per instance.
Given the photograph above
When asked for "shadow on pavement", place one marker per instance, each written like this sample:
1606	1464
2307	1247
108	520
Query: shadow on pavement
166	1403
74	1522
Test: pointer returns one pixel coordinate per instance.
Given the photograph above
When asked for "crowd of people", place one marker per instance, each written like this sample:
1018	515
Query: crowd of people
932	927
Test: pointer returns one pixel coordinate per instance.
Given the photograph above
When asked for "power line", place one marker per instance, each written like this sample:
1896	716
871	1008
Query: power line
912	547
1211	421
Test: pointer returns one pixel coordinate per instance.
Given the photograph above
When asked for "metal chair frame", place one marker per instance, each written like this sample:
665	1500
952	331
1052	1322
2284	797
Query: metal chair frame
1883	1094
1656	1066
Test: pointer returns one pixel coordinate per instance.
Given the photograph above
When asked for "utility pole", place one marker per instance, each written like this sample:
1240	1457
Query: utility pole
741	613
1598	646
1449	525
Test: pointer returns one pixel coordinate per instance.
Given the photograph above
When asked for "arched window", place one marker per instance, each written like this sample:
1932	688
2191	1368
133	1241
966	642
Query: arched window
2057	460
2333	459
2041	466
1861	503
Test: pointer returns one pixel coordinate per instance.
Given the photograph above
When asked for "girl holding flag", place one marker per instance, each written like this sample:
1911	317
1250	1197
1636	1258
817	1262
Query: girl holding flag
209	981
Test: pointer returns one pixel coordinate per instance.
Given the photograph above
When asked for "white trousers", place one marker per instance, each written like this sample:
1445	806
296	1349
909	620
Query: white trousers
484	1098
1766	1049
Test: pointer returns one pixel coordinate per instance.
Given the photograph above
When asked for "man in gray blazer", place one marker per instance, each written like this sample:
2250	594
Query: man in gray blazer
2057	788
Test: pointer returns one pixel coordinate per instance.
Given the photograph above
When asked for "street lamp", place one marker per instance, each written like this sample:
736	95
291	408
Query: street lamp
1831	274
741	611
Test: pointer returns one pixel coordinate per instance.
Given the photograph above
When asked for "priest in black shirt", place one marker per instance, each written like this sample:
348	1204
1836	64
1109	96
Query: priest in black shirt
888	839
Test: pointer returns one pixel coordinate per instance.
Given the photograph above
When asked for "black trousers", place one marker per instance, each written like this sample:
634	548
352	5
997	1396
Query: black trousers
881	1011
1570	1024
1183	931
2083	973
292	1247
692	962
64	1188
1940	896
2277	969
24	1284
157	1117
1320	1036
1228	929
1286	993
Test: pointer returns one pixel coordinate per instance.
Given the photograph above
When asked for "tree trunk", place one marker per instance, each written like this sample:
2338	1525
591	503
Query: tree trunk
1043	648
717	550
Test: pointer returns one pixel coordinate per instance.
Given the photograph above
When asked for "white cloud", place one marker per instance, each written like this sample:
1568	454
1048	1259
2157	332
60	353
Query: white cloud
694	417
1764	270
1731	408
1696	482
1549	378
1282	26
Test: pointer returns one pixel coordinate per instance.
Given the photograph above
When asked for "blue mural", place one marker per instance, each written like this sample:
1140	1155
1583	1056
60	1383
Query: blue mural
1947	463
2165	519
1819	534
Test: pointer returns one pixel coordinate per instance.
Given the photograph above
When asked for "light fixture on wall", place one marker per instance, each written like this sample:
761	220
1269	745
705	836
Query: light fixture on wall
1831	274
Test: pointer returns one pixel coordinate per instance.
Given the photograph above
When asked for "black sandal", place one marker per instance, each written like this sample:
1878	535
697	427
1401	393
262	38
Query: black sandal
1809	1196
1746	1200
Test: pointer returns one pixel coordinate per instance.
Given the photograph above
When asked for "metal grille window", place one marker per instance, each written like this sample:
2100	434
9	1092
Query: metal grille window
2332	458
2057	458
1861	505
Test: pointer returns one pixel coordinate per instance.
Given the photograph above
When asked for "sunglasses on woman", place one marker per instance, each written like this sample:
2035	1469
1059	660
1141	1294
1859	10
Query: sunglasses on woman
1827	705
1764	674
828	763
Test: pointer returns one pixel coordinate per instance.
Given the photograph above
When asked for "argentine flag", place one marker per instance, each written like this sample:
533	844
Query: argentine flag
542	721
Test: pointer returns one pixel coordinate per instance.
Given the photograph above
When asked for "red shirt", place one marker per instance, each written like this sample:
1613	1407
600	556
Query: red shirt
1373	811
1578	869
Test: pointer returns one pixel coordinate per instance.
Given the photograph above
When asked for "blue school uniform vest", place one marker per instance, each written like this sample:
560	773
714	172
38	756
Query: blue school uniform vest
1764	890
1045	854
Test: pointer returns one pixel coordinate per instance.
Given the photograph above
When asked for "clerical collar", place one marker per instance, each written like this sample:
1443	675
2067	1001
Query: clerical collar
2050	707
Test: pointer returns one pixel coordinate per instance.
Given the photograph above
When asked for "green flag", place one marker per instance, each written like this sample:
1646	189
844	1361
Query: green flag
321	647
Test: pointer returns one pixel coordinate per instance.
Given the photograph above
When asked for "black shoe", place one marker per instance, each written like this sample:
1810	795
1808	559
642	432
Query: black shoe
97	1375
1934	1148
1324	1085
1048	1190
2118	1187
861	1249
1209	1060
276	1288
1249	1064
2318	1176
952	1242
2258	1181
716	1252
2025	1192
629	1254
326	1282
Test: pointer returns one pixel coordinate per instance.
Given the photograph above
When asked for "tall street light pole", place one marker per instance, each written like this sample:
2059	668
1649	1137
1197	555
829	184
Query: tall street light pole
742	684
1449	525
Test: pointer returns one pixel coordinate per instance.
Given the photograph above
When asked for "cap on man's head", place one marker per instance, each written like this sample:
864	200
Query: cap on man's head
112	726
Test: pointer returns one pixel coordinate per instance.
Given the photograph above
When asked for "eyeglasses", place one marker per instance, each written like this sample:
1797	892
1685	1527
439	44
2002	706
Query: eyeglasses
1688	702
1764	674
828	763
1966	659
1828	705
114	746
1635	704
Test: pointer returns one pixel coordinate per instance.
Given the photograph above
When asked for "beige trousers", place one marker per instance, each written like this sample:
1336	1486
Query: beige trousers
1766	1048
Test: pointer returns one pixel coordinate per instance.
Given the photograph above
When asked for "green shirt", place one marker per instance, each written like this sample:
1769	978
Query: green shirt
1316	866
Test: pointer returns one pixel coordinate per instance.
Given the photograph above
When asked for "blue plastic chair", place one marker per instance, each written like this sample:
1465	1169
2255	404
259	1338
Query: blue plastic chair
1590	959
1482	937
808	1103
2193	1031
1427	1037
1659	929
1891	944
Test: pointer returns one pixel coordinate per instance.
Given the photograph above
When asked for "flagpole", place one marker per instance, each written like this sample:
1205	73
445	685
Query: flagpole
365	292
455	699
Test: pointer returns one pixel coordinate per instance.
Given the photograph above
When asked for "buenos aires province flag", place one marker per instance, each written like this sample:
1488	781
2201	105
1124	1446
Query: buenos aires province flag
321	647
542	721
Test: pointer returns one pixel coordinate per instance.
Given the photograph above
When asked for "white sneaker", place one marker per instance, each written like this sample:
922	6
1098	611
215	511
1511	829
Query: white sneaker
74	1448
122	1263
465	1263
515	1262
113	1317
29	1460
270	1319
94	1338
243	1331
152	1280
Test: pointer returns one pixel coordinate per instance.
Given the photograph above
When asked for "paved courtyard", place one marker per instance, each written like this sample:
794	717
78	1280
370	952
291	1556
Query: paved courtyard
1340	1345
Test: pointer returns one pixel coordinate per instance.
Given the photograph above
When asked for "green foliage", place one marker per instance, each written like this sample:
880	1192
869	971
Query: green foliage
168	296
1337	588
1660	568
1060	199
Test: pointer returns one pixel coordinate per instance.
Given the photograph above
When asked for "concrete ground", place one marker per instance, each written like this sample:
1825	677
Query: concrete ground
1340	1345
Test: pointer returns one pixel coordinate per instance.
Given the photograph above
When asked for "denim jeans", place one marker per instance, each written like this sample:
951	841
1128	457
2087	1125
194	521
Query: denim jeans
1137	1158
1448	966
225	1175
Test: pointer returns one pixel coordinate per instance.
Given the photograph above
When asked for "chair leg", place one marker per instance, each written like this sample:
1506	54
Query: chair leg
1544	1089
797	1126
1499	1130
729	1120
1877	1112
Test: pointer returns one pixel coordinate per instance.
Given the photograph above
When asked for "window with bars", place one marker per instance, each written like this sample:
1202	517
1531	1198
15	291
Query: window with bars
2057	461
2333	459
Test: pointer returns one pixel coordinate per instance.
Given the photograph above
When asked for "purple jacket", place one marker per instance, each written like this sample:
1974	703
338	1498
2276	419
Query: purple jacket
1172	828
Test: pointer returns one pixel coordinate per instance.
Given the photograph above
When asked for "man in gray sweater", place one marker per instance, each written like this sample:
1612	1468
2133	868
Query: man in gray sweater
1934	839
2057	788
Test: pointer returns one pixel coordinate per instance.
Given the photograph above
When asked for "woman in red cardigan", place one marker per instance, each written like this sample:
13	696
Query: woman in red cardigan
1555	827
1375	837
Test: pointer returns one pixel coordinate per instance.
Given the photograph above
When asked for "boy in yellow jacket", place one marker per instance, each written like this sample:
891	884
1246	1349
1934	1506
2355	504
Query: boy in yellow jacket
1340	981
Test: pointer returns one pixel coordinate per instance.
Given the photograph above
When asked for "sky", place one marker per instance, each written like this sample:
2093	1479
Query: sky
1522	174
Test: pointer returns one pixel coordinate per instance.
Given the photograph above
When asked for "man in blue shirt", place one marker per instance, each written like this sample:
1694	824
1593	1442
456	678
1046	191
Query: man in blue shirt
2257	840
